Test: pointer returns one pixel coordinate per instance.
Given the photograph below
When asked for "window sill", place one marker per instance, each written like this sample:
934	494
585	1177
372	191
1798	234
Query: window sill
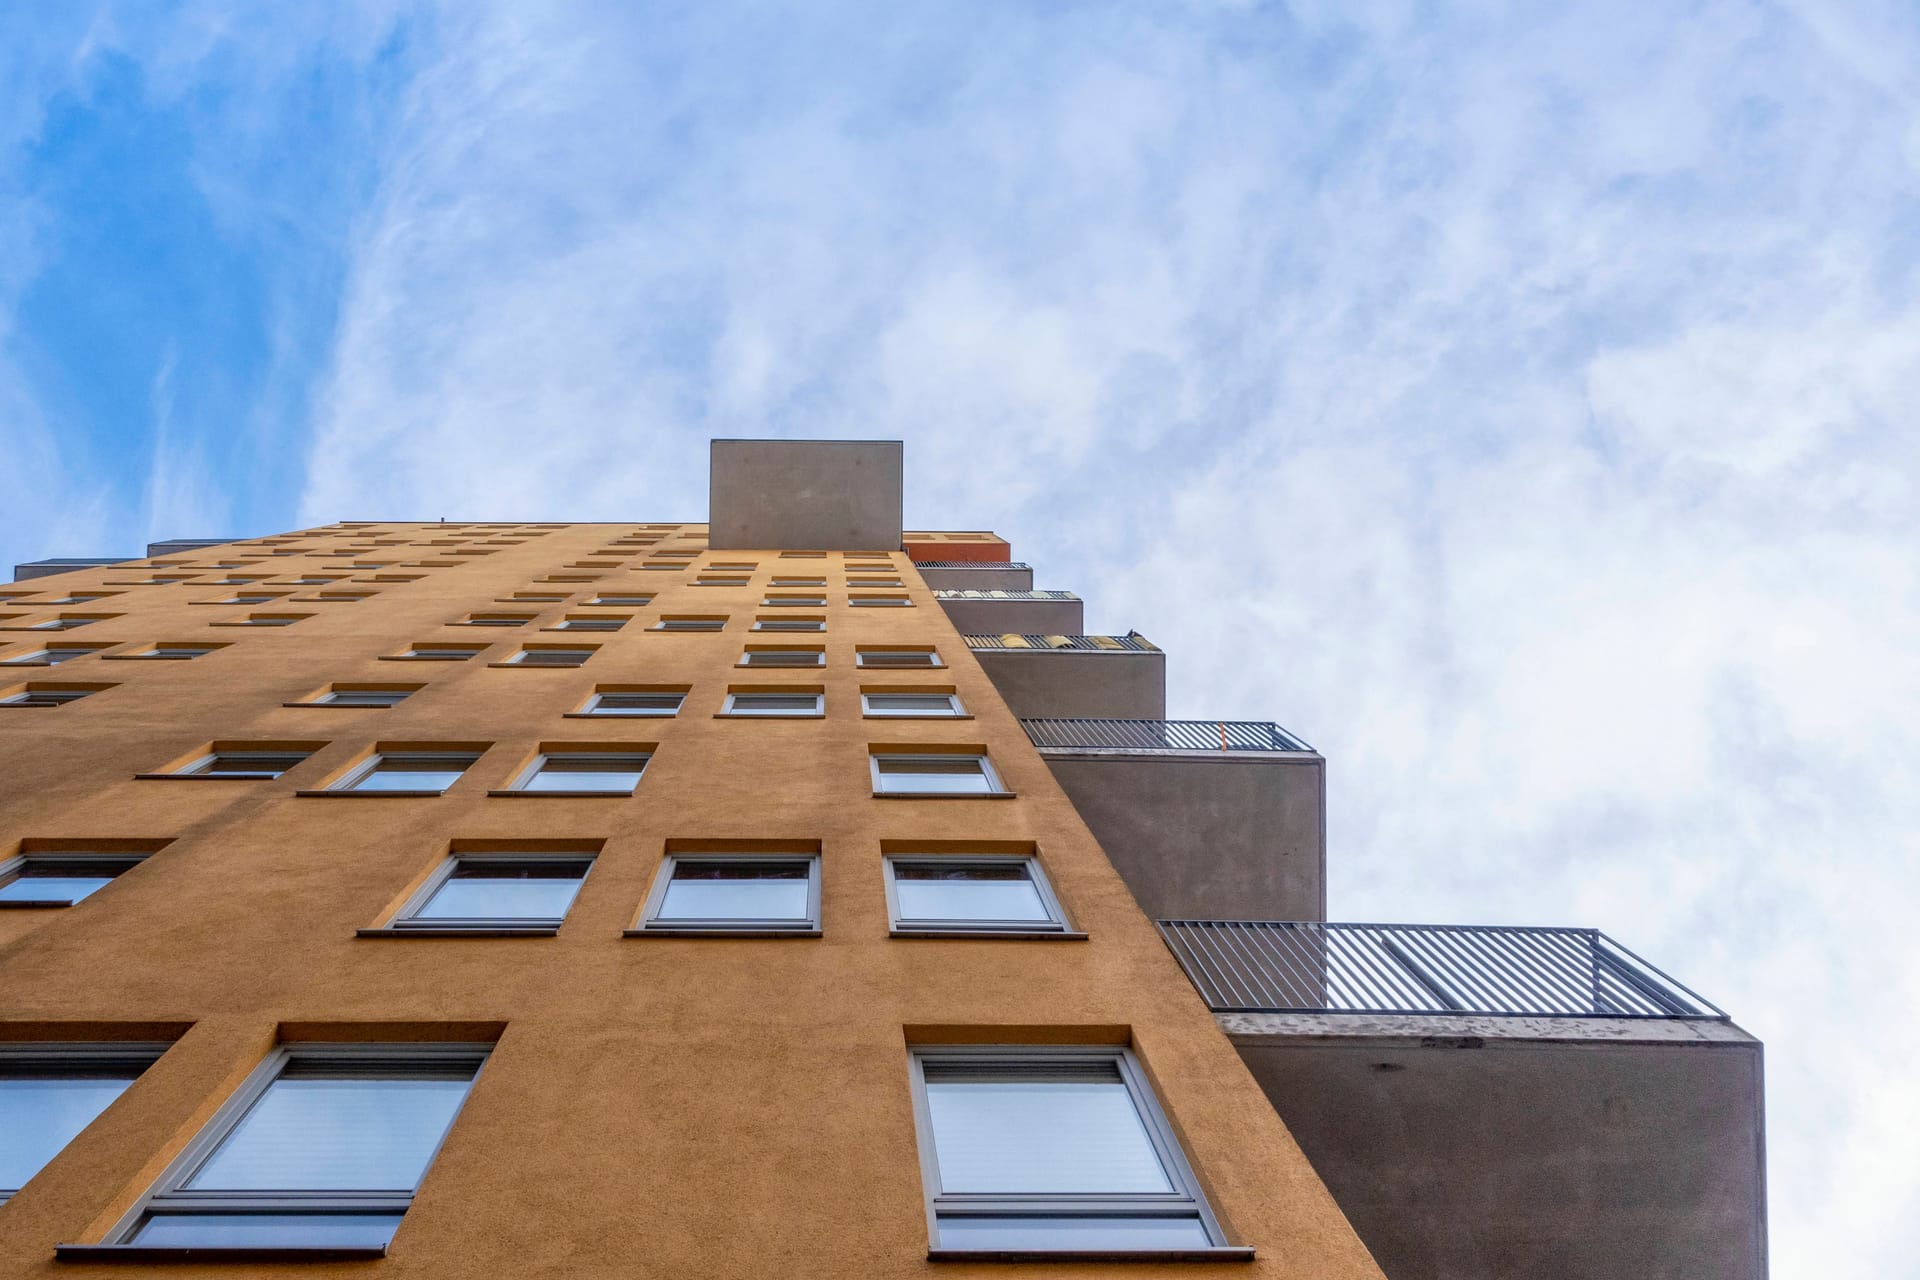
536	666
881	715
343	706
205	777
944	795
669	931
619	715
1220	1253
192	1254
18	904
508	794
415	657
145	657
502	931
331	794
1001	935
12	665
768	715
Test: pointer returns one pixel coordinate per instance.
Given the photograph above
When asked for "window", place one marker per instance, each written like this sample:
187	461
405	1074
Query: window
496	620
859	583
869	568
589	623
48	695
245	597
904	704
441	652
266	620
633	702
708	580
772	656
322	1147
168	652
1032	1151
976	895
684	622
352	696
803	555
799	582
88	597
789	624
766	702
582	773
535	597
934	775
407	772
59	879
496	891
898	658
880	602
735	893
547	656
240	762
50	1092
52	655
630	602
69	622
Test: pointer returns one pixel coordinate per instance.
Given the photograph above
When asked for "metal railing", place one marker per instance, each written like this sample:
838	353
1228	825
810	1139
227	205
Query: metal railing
1132	642
1268	966
973	564
989	593
1162	735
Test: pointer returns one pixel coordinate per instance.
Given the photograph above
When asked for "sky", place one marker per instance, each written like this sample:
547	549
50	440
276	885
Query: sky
1514	400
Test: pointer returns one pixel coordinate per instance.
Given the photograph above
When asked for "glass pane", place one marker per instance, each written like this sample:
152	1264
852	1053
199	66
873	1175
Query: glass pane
334	1135
1041	1136
736	891
909	702
896	659
265	1230
560	774
505	891
632	703
948	776
797	704
1073	1233
48	884
224	765
927	891
40	1116
387	777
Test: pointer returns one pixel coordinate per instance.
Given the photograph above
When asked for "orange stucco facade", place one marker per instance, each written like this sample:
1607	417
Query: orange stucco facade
653	1106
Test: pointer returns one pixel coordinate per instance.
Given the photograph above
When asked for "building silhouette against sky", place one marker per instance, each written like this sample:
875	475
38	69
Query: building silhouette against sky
788	894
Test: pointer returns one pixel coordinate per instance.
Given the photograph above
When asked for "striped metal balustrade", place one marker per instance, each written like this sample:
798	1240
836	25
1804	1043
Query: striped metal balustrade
1132	642
1268	966
972	564
1162	735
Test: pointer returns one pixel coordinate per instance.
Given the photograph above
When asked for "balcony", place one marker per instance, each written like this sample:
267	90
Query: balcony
1068	674
1500	1102
976	575
1199	817
985	612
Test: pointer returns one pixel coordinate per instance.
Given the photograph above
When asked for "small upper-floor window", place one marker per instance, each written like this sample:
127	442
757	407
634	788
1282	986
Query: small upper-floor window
766	655
909	704
799	582
735	893
879	601
547	656
266	620
794	601
330	1140
50	1092
591	622
353	695
429	652
409	772
613	600
496	620
720	580
494	891
790	624
60	878
70	621
691	622
38	694
928	774
771	702
904	657
578	772
969	894
234	760
88	597
610	701
170	651
51	655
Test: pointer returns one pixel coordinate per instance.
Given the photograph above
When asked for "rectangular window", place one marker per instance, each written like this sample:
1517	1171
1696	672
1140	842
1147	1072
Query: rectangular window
971	895
50	1092
799	582
615	601
899	658
875	584
52	655
880	602
47	695
770	656
708	580
342	696
67	623
794	602
589	623
790	624
407	772
583	772
767	703
442	652
240	763
1038	1151
175	652
531	657
735	893
912	705
322	1147
496	620
59	879
494	891
268	620
615	702
934	775
688	623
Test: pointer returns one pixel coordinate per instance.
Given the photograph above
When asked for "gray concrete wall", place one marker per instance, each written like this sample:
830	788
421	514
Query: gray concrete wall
1235	836
1019	617
978	579
48	568
1480	1148
832	495
1105	684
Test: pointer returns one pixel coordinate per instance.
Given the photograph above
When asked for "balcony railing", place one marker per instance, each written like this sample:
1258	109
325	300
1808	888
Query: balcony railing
988	593
1002	565
1162	735
1132	642
1267	966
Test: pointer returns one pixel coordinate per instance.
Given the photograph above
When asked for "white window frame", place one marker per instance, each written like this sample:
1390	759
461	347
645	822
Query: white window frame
1055	925
747	657
10	869
407	918
651	924
932	656
604	601
996	786
350	780
954	708
1186	1202
591	707
199	768
519	658
539	763
333	698
591	625
815	708
791	626
793	602
80	1060
880	602
689	624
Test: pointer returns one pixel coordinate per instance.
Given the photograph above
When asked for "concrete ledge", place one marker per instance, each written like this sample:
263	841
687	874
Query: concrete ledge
1443	1030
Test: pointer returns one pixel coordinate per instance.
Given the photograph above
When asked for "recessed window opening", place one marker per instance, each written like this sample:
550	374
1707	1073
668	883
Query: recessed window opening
898	658
408	771
50	1092
550	657
775	704
934	775
907	705
242	763
736	893
633	703
769	657
609	771
59	880
496	891
968	894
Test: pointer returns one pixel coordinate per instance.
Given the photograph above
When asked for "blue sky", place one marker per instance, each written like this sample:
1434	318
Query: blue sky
1515	400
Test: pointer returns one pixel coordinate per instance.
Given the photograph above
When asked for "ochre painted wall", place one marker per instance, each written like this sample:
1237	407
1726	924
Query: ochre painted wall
655	1107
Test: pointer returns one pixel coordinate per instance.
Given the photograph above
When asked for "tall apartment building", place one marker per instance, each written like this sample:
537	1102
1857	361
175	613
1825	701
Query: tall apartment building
790	894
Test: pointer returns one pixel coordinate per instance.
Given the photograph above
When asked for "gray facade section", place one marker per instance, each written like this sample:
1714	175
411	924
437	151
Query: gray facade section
1101	684
990	617
799	495
47	568
1228	835
983	577
1487	1148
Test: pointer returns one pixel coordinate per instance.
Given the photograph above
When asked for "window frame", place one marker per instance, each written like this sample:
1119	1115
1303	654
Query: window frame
591	706
407	921
690	624
1186	1201
1056	925
816	708
791	626
168	1192
650	924
11	867
199	767
997	785
33	1058
956	710
933	662
617	601
521	780
748	655
348	783
518	658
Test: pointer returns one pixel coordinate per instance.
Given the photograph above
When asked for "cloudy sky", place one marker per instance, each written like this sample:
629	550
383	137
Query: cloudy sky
1515	400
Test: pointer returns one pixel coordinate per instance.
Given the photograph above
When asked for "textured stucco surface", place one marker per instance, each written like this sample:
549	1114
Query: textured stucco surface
655	1107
